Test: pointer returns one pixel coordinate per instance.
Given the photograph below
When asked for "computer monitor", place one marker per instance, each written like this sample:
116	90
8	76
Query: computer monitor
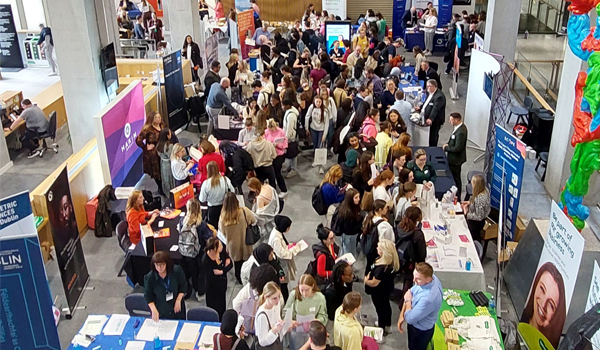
336	31
108	67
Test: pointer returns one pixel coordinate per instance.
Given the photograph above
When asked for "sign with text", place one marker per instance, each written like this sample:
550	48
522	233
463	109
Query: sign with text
175	91
10	51
509	159
552	288
211	50
67	244
593	299
243	5
26	317
117	128
246	30
182	194
399	7
335	7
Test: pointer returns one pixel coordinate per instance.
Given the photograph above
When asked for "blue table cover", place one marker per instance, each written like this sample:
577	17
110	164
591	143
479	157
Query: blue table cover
108	342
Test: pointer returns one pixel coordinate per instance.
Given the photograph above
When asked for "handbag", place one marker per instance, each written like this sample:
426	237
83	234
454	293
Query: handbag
292	150
321	155
252	232
277	345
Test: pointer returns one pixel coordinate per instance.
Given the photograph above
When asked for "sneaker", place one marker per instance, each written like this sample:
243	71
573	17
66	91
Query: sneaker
428	53
291	174
34	154
314	165
53	74
282	195
321	171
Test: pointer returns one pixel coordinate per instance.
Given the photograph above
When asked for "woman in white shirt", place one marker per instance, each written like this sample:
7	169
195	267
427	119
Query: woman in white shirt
282	250
404	199
213	192
431	23
268	323
317	118
180	168
385	179
244	78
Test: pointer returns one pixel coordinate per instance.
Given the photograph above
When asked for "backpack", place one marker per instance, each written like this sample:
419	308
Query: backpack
335	224
405	249
247	162
248	311
369	241
313	41
318	202
291	58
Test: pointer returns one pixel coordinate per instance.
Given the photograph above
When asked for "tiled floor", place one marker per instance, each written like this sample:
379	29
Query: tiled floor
104	258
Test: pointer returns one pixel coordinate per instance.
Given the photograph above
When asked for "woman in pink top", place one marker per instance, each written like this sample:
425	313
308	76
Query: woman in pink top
277	137
368	129
219	12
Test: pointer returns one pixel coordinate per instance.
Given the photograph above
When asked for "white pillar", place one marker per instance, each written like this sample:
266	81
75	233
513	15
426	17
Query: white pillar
5	162
183	21
77	43
501	27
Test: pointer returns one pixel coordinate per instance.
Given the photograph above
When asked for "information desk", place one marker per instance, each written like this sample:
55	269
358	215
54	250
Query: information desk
130	333
445	259
437	157
468	309
411	39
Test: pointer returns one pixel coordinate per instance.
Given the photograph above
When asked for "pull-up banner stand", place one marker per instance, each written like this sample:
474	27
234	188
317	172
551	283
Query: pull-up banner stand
26	316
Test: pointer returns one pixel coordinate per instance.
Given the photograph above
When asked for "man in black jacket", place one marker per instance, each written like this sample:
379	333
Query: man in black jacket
428	72
212	76
410	19
457	148
434	111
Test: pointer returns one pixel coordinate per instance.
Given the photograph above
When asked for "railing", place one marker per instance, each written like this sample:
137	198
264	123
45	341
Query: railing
539	76
521	87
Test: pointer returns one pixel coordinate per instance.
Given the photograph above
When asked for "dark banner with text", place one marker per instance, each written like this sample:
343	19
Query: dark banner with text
10	50
67	244
26	317
174	90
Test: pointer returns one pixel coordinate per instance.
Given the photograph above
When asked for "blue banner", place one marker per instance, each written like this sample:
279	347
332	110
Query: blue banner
27	321
399	10
243	5
509	159
444	12
174	90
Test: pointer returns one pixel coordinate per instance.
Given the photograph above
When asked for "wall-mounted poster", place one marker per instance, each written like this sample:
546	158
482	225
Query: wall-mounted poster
10	52
545	312
245	30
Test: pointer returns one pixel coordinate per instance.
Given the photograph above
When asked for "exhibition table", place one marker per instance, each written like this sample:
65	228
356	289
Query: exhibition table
437	157
445	259
222	131
412	38
130	333
468	309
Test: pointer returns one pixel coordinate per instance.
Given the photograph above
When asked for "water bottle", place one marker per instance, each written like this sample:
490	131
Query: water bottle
493	304
76	347
157	343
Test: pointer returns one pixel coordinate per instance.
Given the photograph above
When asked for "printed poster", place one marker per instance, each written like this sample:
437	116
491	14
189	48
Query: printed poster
26	316
245	30
551	292
67	244
174	90
593	299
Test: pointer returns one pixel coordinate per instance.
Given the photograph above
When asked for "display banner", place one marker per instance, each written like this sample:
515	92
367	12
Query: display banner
245	30
10	51
234	36
478	44
67	244
593	299
337	31
211	50
399	8
444	13
335	7
174	90
551	292
27	320
509	159
117	128
243	5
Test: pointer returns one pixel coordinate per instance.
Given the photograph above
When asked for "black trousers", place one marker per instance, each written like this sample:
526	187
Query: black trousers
434	135
456	170
285	293
383	308
418	339
264	173
277	165
192	267
237	266
30	140
475	227
214	213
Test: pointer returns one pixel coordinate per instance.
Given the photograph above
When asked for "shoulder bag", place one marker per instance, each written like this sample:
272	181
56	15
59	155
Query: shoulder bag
277	345
252	231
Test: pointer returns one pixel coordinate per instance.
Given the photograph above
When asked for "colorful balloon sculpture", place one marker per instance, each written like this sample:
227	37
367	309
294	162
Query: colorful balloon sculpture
584	42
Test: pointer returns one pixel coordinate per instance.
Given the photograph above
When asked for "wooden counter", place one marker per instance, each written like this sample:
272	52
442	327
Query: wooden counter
12	99
51	100
137	68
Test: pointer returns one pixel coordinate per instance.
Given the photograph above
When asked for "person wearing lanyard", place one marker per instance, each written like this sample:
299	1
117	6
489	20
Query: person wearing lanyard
164	288
433	111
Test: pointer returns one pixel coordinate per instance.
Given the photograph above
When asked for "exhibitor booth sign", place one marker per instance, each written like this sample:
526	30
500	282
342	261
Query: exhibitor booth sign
27	320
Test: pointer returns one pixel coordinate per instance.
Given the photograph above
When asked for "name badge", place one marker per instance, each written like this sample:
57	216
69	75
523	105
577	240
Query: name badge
426	172
312	309
169	296
364	149
453	137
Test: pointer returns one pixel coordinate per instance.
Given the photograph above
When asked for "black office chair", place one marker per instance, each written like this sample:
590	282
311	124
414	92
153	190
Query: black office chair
124	243
49	134
137	305
202	314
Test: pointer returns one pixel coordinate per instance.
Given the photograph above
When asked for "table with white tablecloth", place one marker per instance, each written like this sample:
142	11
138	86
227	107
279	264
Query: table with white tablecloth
447	263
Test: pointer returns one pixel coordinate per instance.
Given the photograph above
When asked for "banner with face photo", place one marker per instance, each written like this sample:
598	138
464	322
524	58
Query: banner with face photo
551	292
593	299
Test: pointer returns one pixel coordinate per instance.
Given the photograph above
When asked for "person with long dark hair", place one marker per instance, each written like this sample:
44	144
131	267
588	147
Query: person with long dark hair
191	52
377	218
228	338
147	140
164	288
164	147
237	163
325	253
216	263
341	284
262	254
362	179
410	230
213	193
283	251
349	220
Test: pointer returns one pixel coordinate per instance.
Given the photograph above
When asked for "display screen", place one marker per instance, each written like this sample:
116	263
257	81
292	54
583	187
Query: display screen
108	66
335	32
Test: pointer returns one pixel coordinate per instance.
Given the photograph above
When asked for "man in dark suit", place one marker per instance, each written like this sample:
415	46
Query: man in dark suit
457	148
212	77
410	19
434	111
428	72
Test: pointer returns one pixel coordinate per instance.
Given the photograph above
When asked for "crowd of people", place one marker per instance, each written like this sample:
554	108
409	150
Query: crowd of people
344	101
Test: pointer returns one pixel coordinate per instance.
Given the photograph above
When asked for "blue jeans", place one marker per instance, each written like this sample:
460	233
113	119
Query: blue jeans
349	244
316	137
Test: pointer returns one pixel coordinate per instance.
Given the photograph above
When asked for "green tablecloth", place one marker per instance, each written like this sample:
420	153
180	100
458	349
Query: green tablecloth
469	309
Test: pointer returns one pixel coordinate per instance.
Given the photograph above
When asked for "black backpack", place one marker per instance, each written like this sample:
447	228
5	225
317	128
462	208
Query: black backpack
369	241
247	162
405	249
318	202
335	224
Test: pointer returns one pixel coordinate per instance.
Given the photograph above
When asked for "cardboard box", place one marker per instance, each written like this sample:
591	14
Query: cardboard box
506	254
520	229
490	230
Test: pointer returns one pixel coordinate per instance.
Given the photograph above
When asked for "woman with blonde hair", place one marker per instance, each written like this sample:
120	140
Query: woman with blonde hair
347	331
307	301
193	233
379	282
136	215
213	192
180	169
478	208
405	199
268	324
431	22
233	224
232	68
277	137
333	195
244	78
263	154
